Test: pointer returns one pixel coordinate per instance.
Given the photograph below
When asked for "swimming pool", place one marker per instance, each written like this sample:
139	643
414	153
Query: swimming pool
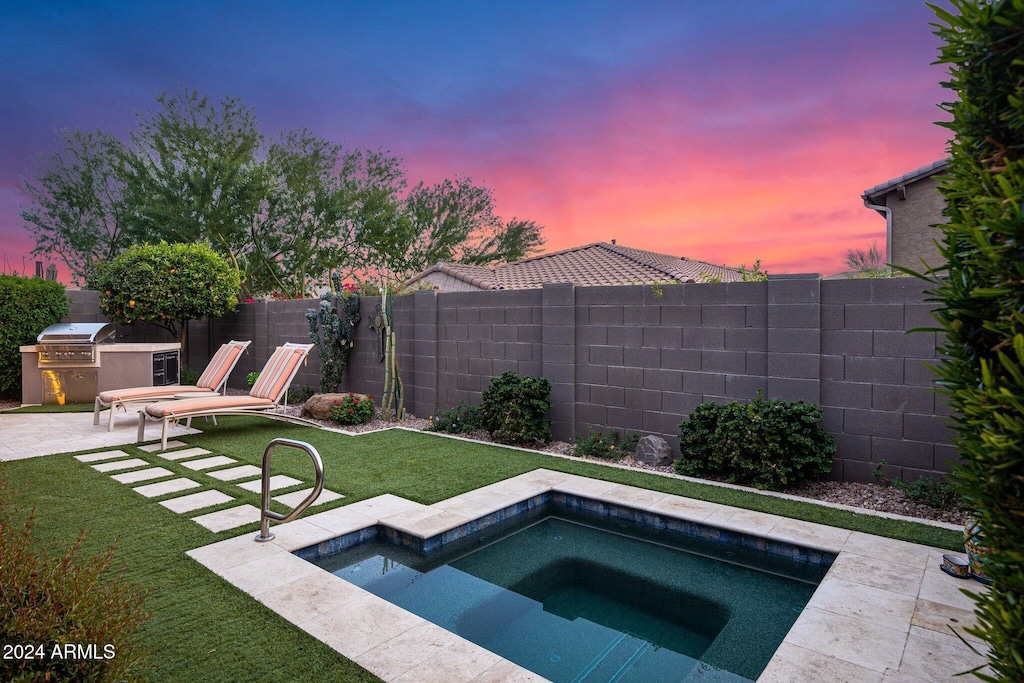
579	591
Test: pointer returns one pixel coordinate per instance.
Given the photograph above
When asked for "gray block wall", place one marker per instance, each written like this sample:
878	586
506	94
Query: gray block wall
641	358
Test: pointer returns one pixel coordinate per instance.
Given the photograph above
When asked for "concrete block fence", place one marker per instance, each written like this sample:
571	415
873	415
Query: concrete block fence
640	358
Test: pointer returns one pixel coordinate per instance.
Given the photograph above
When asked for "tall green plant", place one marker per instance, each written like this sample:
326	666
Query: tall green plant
394	390
334	335
27	306
982	299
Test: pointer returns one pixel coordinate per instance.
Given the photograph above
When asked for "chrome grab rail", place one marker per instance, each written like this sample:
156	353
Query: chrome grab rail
266	514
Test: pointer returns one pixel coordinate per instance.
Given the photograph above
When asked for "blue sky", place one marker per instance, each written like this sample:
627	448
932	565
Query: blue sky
719	131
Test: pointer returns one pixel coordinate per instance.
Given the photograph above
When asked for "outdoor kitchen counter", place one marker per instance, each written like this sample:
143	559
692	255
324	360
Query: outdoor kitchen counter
116	366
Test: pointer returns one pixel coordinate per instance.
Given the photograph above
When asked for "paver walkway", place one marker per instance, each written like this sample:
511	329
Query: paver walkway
180	495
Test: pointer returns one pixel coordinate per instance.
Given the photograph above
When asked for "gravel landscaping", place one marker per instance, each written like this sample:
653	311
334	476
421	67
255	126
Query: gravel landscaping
868	496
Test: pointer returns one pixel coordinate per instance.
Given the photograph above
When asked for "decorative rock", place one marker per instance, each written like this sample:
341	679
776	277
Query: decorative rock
653	450
320	406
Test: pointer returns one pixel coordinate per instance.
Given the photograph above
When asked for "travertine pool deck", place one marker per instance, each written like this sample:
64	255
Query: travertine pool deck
31	435
884	612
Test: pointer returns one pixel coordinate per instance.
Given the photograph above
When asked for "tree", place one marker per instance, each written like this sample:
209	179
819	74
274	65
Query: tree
981	300
286	215
453	220
78	211
867	264
195	174
166	285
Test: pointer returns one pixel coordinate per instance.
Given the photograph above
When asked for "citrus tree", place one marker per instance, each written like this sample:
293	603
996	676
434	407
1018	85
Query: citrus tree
166	285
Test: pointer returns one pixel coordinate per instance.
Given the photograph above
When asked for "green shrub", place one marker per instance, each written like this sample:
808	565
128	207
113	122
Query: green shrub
765	444
52	598
27	307
458	420
188	376
353	409
300	393
981	300
925	490
514	407
252	378
600	445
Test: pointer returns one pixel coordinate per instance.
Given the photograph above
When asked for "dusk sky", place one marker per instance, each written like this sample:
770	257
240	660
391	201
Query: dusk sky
720	131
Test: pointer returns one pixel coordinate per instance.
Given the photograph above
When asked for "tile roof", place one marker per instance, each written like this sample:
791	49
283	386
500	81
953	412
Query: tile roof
913	176
599	263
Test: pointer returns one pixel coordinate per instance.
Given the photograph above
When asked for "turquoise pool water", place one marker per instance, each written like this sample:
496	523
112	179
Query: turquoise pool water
573	597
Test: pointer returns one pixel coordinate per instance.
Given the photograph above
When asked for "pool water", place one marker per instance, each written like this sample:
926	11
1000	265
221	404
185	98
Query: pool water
575	599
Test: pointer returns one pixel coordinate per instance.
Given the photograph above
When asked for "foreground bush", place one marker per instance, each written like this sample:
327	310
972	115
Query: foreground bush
72	617
981	300
765	444
27	307
514	407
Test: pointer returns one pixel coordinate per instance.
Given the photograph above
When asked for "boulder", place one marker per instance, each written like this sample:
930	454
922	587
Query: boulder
320	406
653	450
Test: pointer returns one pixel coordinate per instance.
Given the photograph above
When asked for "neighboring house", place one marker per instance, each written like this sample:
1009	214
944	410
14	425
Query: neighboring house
911	205
599	263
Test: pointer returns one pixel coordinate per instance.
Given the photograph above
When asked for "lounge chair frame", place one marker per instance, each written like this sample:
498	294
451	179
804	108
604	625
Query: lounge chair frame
270	411
171	390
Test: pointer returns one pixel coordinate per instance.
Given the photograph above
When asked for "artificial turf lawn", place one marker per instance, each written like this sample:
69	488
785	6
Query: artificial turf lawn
55	408
201	628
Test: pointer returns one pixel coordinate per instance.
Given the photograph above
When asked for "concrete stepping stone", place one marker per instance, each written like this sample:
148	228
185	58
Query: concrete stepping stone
105	455
154	447
120	465
164	487
293	499
228	519
278	481
195	501
181	455
208	463
233	473
141	475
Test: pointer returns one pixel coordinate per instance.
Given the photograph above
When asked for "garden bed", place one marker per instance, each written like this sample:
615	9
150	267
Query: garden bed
866	496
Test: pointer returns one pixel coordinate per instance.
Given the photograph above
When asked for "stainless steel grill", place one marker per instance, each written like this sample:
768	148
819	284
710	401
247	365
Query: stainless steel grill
73	344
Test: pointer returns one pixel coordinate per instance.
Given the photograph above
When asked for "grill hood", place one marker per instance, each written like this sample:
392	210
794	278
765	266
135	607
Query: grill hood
78	333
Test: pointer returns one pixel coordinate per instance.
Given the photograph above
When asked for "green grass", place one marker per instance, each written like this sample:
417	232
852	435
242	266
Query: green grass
202	628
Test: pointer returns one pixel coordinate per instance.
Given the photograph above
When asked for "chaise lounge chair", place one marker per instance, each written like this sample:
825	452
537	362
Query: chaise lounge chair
213	381
264	399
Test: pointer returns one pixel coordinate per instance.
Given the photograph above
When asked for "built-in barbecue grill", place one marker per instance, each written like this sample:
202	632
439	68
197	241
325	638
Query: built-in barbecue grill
73	362
73	344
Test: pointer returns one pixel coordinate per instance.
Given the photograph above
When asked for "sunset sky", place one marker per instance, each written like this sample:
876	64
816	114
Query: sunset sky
721	131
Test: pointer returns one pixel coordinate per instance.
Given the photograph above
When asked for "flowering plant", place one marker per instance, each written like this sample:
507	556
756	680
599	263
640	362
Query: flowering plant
353	409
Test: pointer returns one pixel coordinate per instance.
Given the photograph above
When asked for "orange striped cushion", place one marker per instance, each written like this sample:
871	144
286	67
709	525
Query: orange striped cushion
203	405
220	365
277	374
139	393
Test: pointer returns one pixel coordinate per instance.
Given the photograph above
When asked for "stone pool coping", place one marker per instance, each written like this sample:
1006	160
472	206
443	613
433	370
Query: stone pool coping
883	612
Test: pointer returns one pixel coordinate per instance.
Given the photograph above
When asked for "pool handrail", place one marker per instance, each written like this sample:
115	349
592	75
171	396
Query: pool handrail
266	514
